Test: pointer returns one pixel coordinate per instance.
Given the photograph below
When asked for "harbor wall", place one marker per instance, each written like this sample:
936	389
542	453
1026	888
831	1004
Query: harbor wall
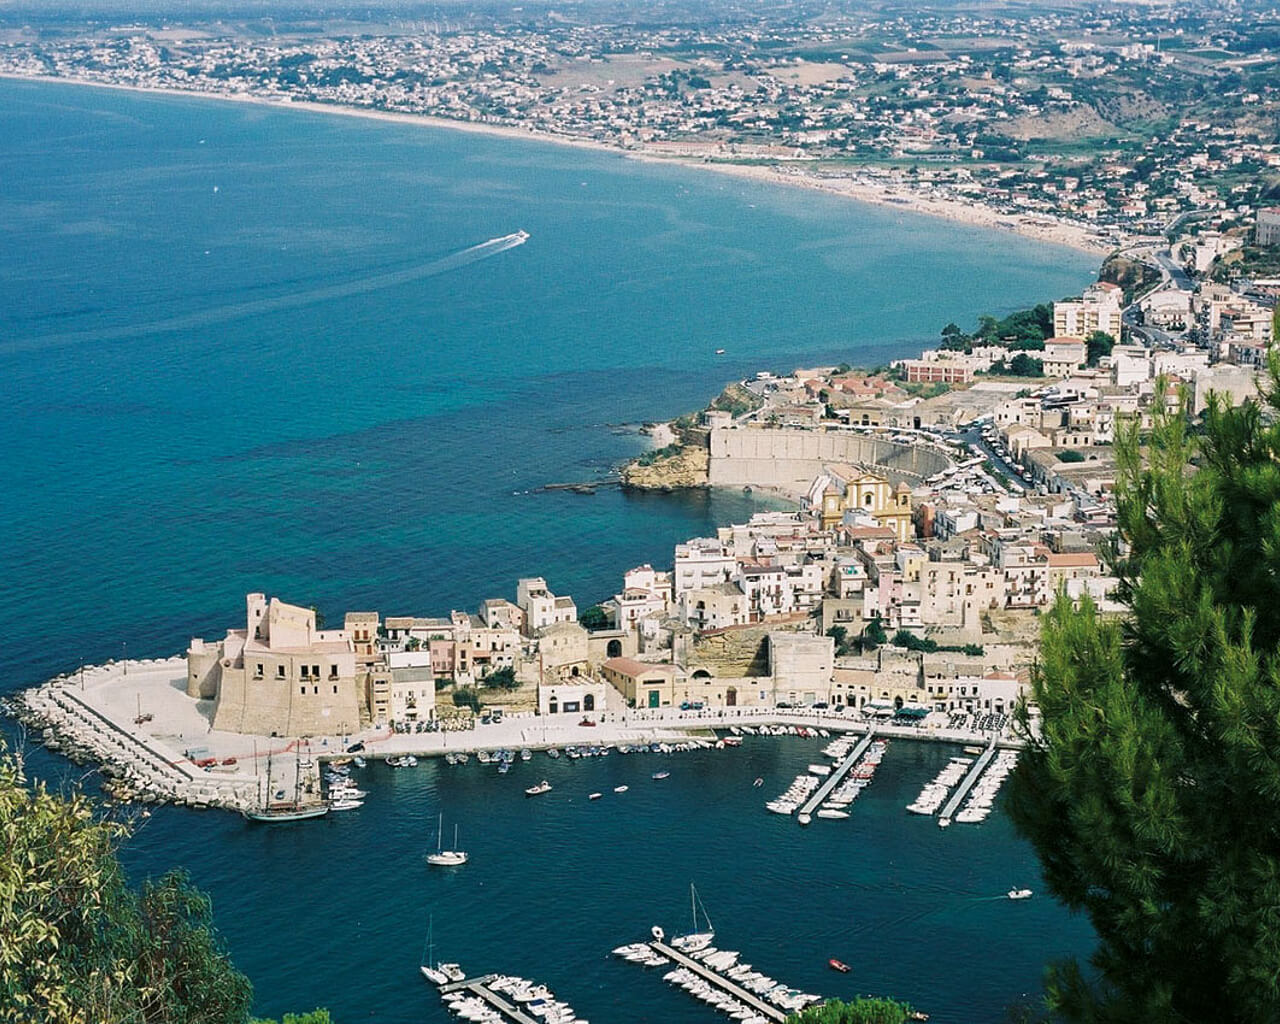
790	458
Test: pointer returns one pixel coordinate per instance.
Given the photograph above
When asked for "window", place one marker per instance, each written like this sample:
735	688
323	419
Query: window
315	671
335	689
333	671
279	671
302	690
315	690
257	671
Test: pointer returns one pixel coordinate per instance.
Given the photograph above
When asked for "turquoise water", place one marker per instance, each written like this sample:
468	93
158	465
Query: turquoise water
245	349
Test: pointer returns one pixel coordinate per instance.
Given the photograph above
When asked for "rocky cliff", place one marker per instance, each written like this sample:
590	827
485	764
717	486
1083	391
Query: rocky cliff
675	467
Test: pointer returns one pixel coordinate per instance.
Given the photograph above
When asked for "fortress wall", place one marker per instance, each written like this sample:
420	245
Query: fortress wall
790	458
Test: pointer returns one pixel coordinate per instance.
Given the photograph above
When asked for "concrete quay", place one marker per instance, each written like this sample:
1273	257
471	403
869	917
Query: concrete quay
154	743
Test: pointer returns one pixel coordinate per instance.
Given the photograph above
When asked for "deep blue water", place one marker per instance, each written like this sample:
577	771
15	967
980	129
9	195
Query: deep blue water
210	387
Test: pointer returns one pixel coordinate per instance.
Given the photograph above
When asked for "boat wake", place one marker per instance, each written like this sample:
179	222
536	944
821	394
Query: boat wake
275	304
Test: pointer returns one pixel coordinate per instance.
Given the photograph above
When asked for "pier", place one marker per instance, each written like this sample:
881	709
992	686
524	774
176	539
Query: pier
979	766
479	987
836	777
724	984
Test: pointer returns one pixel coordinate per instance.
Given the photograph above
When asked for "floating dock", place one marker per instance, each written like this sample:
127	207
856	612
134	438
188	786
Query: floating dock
979	766
726	985
480	987
835	778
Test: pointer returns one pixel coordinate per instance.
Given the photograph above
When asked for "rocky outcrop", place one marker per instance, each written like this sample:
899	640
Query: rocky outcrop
676	467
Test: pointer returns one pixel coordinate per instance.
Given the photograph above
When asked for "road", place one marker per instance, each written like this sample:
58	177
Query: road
1012	475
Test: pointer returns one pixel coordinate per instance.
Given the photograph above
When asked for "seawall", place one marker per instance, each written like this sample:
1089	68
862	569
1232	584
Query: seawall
789	458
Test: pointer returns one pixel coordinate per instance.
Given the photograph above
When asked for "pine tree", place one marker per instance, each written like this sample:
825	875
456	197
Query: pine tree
1152	793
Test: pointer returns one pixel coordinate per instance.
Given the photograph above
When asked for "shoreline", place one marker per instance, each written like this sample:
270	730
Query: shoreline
790	174
89	717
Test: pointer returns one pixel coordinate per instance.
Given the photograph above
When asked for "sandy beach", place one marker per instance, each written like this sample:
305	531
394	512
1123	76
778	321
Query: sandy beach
788	174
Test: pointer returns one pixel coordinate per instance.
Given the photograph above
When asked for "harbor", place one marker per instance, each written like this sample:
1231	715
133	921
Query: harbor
967	783
154	744
835	778
498	998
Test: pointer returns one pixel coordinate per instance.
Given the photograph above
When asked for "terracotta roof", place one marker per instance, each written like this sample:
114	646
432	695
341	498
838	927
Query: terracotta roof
1069	559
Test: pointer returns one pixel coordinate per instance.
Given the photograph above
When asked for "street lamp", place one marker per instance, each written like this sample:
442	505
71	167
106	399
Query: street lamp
124	651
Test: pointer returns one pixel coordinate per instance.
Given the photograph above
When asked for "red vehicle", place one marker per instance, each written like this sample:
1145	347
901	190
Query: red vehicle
206	762
586	721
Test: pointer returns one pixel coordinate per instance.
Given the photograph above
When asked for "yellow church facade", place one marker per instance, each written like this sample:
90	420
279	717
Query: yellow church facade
860	490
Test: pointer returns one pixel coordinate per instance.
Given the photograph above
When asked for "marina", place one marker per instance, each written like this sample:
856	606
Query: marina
979	766
504	999
835	778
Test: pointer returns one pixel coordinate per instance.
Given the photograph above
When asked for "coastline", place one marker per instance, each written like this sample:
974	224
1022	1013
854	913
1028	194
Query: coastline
173	755
904	200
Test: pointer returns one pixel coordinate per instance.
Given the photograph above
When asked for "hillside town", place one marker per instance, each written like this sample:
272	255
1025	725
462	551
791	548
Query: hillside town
1118	121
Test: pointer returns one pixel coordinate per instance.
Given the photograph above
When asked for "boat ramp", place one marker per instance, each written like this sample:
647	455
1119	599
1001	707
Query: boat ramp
836	777
979	766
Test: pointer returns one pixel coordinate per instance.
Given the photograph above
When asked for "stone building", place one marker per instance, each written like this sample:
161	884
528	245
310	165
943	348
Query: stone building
280	675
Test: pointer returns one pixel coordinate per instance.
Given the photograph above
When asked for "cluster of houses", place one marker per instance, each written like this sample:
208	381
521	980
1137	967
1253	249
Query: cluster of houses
782	610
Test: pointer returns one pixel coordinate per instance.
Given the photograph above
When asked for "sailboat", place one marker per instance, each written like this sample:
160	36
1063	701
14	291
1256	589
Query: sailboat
695	939
446	858
286	810
428	969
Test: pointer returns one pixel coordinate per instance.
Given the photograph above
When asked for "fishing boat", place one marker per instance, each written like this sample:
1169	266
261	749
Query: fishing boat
1019	894
446	858
620	789
542	787
661	775
838	965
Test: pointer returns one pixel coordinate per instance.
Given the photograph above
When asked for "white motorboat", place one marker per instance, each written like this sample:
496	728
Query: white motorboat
542	787
828	812
1019	894
620	789
594	796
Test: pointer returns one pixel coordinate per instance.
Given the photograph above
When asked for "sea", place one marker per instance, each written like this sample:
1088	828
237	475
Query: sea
246	348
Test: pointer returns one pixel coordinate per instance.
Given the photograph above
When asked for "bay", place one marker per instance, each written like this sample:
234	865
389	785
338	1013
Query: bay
210	388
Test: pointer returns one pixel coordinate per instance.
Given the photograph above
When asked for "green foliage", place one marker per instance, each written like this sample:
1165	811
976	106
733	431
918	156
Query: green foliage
502	679
314	1017
905	638
657	454
1071	455
1034	324
466	697
873	635
1022	365
861	1010
911	642
1153	793
844	644
1097	345
77	946
594	618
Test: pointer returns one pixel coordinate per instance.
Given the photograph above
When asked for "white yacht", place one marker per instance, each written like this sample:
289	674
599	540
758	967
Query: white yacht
446	858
